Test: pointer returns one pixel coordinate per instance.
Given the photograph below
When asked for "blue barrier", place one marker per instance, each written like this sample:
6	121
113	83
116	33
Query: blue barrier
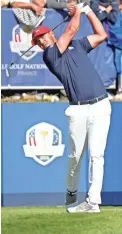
34	156
30	71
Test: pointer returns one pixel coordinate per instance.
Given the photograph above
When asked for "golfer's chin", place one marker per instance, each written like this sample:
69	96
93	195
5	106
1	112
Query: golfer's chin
47	45
43	47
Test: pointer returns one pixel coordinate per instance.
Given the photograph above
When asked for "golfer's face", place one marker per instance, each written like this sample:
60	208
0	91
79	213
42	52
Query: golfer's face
45	40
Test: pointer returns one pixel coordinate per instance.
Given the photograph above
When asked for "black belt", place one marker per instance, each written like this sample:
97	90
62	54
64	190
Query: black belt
92	101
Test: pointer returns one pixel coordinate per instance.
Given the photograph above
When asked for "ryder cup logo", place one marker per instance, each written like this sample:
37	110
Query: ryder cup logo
43	143
21	41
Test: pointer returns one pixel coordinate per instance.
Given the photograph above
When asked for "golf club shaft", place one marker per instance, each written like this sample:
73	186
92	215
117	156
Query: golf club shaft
20	56
60	23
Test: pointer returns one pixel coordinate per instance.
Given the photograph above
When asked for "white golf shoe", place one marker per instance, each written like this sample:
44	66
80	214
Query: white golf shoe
84	207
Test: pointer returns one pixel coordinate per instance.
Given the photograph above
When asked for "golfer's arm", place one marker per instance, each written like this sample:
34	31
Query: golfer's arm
100	34
73	26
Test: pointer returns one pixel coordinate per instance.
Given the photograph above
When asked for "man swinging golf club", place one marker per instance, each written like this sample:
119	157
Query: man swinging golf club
89	111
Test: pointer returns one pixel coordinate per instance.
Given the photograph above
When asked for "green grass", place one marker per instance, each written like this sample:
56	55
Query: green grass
54	220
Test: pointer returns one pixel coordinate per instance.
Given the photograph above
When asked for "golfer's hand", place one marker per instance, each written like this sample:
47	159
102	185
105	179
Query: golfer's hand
71	8
83	8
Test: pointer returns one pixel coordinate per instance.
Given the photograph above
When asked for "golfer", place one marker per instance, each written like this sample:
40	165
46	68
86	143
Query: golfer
89	110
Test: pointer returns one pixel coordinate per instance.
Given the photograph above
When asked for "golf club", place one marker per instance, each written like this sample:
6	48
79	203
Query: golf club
7	69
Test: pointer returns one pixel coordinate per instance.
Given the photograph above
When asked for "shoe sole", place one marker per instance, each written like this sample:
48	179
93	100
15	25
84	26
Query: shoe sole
85	211
93	211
